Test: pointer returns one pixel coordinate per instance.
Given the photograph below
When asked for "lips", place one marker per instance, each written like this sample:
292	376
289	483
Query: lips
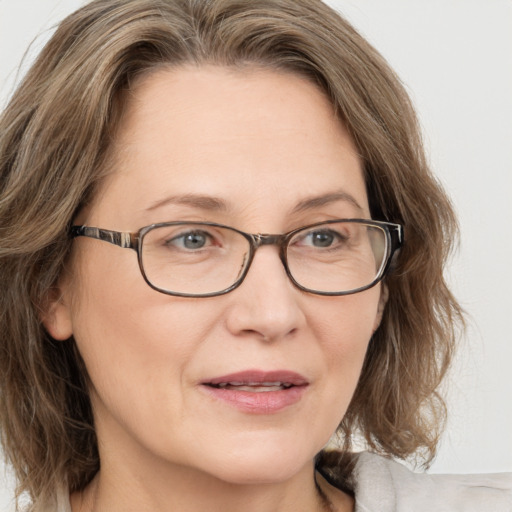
258	391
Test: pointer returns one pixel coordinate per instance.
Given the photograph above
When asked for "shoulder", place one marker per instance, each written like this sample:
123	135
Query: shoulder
383	485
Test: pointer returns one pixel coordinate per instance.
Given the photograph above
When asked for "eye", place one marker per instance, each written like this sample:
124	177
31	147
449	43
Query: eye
321	238
191	240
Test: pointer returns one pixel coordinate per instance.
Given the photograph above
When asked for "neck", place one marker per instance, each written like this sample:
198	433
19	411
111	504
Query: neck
190	491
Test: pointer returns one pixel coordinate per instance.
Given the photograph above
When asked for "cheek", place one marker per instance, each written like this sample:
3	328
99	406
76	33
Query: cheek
128	334
345	328
347	323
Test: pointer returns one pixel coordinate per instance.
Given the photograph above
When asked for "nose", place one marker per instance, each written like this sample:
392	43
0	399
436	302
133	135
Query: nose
266	305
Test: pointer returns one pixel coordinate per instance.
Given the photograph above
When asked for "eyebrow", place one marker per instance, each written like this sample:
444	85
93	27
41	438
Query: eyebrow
202	202
317	201
211	203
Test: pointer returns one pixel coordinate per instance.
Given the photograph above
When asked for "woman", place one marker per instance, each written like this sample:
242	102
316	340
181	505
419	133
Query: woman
221	243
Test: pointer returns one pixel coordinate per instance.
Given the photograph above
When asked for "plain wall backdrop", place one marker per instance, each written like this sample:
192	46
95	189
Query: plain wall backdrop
455	58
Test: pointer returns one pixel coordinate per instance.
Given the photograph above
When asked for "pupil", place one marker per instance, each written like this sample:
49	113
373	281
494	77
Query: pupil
322	239
194	241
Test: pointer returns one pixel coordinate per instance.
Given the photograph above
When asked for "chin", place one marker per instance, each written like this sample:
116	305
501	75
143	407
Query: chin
260	463
261	474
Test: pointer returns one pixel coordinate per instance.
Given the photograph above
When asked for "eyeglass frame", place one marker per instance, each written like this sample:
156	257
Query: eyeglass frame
134	240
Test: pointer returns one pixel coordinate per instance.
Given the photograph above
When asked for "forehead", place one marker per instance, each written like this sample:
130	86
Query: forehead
246	136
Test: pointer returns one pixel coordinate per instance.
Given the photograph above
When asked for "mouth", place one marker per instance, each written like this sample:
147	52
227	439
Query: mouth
258	381
257	391
253	387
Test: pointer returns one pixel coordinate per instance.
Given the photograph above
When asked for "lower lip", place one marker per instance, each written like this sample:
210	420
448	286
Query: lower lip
263	402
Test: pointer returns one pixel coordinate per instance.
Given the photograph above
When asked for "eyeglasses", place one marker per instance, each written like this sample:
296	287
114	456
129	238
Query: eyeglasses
205	259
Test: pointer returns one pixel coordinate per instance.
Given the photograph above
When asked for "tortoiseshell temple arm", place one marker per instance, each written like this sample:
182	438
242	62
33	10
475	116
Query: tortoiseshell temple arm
125	240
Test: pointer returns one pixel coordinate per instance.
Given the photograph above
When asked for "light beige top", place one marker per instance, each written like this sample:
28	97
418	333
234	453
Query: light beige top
382	485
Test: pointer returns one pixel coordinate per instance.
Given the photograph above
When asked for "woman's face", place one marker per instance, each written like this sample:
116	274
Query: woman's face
261	151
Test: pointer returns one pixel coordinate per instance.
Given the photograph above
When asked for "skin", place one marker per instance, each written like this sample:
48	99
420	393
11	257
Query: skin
261	142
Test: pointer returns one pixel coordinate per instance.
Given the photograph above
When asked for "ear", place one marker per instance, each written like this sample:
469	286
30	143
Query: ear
384	294
56	315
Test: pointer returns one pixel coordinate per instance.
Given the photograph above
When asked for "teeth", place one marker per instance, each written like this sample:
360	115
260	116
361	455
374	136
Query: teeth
259	389
255	386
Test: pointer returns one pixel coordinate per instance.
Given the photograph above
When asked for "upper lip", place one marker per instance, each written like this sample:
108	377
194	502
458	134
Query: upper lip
259	378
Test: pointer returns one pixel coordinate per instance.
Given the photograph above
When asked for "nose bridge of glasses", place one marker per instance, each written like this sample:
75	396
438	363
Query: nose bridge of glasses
267	239
280	241
261	239
270	239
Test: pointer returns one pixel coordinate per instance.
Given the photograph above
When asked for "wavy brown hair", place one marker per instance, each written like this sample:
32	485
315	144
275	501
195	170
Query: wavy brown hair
55	136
